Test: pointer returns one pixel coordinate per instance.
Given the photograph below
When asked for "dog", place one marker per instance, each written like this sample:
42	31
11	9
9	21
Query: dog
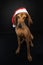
23	32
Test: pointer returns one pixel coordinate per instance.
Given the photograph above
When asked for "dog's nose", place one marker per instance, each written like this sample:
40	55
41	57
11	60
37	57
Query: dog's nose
20	26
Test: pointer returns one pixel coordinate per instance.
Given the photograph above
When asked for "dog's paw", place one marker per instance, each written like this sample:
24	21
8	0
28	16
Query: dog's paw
17	51
29	58
32	45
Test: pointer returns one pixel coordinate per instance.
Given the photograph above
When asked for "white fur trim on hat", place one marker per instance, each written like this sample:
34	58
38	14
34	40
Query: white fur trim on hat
14	25
21	10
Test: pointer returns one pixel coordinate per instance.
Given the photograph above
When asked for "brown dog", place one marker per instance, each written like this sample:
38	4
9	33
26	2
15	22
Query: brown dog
23	31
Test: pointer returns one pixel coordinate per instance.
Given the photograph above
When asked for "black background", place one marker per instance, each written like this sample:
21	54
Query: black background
8	38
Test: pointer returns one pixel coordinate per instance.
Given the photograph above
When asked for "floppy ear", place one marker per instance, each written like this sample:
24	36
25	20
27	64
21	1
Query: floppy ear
16	20
29	20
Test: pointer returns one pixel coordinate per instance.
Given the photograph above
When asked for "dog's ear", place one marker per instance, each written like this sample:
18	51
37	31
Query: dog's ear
26	21
16	21
29	20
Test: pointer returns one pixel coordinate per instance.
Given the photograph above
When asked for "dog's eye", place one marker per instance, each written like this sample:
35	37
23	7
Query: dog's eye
24	17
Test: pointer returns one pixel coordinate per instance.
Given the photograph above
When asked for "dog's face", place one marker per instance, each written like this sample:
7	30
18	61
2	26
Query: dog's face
22	17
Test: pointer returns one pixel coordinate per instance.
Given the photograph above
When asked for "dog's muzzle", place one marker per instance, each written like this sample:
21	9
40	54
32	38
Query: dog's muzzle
19	26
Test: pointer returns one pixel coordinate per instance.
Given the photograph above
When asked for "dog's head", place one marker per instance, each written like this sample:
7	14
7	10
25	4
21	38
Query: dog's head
23	18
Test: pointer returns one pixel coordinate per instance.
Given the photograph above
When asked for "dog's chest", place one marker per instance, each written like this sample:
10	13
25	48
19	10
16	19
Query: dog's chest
21	32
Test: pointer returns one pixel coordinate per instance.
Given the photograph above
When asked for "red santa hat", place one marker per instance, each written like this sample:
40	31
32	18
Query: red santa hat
16	12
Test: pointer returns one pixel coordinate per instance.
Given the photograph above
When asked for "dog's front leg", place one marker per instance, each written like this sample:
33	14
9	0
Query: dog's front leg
28	50
18	49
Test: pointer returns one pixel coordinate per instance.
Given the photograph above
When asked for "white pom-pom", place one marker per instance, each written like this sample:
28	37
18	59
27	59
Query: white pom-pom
14	25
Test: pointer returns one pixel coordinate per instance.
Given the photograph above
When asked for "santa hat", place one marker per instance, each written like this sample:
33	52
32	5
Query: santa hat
16	12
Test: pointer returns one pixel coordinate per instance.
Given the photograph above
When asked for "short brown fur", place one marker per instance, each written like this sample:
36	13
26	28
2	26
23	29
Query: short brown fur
24	32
